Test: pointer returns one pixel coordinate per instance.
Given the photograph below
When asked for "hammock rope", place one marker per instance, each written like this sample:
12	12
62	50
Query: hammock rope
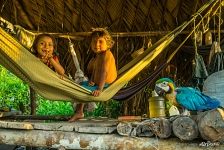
128	92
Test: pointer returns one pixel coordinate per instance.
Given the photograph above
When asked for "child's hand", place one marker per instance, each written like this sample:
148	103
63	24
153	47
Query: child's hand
91	83
96	92
49	56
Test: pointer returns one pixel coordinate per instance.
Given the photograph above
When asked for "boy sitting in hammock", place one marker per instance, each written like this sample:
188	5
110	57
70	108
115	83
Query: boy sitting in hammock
102	67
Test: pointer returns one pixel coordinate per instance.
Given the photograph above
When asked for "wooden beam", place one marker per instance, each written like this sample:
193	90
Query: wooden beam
74	140
10	113
83	35
38	117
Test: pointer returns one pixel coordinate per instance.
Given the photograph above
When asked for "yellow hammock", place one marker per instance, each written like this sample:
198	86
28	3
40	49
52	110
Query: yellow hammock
17	59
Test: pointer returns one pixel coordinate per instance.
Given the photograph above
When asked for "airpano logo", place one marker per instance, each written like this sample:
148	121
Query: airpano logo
209	144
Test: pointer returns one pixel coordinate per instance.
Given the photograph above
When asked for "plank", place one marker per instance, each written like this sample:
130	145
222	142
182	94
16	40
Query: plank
16	125
94	125
100	130
54	126
10	113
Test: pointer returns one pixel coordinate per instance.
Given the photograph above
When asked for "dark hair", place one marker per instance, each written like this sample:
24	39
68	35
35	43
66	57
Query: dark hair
34	46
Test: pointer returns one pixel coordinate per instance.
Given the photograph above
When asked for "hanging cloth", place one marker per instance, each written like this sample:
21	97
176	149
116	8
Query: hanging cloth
79	75
216	62
216	57
199	69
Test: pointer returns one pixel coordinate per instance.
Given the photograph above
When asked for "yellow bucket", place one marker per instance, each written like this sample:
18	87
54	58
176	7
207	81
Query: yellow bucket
156	107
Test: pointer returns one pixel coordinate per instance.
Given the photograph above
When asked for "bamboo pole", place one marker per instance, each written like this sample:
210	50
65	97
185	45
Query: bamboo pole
82	35
33	99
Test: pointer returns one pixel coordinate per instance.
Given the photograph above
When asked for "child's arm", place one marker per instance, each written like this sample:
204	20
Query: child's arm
90	71
101	84
104	68
57	66
90	66
102	75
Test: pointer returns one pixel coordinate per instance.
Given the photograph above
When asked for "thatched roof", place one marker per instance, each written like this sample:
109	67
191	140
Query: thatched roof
81	15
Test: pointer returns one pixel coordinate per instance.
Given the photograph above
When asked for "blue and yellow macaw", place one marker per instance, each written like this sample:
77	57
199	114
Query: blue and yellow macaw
187	97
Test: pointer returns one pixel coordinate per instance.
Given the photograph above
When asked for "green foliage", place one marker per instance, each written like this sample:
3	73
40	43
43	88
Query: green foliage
109	109
15	94
47	107
104	109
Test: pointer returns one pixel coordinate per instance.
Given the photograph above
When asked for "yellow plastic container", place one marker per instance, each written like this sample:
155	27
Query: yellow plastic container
156	107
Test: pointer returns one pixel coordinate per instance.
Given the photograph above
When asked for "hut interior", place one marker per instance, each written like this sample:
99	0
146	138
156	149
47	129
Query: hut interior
193	30
135	25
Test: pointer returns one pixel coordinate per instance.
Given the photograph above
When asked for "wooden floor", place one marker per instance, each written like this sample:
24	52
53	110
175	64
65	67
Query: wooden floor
97	125
92	133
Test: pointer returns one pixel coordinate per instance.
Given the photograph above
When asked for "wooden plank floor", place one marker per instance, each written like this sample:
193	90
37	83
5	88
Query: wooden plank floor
93	125
92	133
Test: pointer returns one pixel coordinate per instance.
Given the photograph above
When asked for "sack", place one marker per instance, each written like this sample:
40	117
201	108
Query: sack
199	68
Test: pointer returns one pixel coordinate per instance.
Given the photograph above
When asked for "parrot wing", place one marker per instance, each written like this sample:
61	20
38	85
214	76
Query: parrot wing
193	99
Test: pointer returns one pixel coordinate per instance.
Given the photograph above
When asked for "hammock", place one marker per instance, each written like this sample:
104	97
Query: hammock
46	82
17	59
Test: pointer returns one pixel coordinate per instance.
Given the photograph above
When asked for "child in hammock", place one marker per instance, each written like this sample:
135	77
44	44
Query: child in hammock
102	67
44	47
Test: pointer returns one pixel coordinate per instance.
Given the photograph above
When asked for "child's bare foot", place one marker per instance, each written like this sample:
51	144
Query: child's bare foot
77	116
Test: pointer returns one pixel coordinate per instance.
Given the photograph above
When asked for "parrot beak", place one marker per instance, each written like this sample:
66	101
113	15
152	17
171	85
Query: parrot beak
161	89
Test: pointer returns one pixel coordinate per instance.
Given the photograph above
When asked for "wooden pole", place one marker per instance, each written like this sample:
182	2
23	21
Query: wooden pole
33	100
74	140
83	35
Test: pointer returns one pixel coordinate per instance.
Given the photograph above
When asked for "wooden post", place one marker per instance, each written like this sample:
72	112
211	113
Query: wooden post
164	130
33	99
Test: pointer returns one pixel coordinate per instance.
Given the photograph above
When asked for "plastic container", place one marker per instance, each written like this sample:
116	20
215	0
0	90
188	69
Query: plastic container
199	38
156	107
208	38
